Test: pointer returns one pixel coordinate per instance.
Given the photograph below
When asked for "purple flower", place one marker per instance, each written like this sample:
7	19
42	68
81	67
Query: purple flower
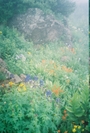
28	77
35	78
11	76
57	100
41	82
48	93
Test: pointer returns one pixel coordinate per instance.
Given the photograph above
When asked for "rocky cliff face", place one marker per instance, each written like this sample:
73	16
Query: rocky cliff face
40	28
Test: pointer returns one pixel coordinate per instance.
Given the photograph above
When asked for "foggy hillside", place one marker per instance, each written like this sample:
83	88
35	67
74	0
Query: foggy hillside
79	17
81	12
44	86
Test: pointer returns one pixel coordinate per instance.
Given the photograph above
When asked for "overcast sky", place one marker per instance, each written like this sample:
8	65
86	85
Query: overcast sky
81	1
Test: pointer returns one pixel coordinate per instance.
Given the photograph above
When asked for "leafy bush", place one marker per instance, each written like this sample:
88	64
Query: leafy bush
65	7
78	109
2	76
10	42
26	110
9	8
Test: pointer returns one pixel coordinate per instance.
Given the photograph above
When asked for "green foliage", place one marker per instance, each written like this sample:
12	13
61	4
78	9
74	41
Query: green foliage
9	8
89	13
65	7
28	111
9	42
64	71
2	76
78	108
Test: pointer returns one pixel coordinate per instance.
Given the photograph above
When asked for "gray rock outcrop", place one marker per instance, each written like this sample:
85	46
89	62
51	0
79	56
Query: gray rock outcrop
40	28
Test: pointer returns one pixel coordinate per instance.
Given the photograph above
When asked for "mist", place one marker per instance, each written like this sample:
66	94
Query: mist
80	16
80	1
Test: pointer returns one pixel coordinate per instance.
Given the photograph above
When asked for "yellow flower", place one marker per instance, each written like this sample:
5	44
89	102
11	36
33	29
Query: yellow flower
21	85
73	130
79	127
24	88
11	83
29	53
75	126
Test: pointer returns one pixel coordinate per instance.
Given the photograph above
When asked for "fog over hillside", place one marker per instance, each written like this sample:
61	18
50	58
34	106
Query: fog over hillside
80	1
81	9
79	17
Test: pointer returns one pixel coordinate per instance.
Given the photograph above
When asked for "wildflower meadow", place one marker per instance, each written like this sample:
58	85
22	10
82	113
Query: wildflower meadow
54	95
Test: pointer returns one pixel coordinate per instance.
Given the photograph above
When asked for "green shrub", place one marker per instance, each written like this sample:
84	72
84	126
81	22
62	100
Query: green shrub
78	109
2	76
9	8
28	110
10	41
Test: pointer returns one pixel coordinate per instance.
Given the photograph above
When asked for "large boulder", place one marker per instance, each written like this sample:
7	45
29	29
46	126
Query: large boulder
39	27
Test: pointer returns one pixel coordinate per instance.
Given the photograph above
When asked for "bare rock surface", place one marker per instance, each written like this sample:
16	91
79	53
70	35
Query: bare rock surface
39	27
